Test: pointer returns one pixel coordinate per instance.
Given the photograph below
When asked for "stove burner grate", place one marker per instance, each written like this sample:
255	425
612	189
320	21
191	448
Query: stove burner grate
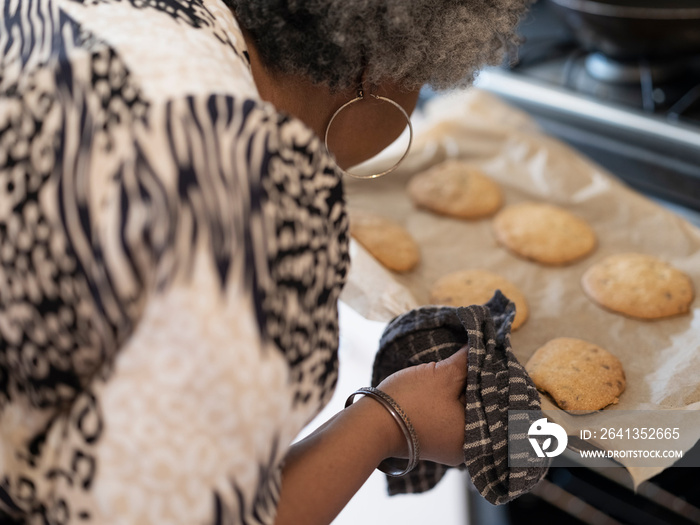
671	89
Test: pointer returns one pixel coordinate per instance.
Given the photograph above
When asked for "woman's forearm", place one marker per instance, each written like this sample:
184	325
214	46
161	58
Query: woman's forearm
323	471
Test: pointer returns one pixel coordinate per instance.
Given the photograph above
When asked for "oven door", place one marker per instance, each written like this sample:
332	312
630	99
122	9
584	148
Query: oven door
600	496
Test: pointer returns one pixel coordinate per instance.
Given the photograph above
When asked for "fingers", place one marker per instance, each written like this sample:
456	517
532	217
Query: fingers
455	370
456	363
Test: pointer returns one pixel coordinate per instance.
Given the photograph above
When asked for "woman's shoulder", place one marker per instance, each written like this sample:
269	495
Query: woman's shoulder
160	75
171	47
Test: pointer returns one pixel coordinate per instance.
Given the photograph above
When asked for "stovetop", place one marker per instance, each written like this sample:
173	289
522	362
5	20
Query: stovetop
550	53
640	121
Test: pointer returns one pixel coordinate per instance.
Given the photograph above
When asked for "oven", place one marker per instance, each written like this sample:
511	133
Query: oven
637	115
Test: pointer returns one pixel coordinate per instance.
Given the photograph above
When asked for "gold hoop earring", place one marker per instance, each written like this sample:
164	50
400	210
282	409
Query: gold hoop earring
360	97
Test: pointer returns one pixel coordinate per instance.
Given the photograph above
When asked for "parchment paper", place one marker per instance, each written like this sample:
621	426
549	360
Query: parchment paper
661	358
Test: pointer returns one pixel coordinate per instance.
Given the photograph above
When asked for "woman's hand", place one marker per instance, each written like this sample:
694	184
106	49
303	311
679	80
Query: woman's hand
432	395
324	470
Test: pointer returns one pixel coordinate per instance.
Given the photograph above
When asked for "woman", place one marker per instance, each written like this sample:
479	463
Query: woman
173	243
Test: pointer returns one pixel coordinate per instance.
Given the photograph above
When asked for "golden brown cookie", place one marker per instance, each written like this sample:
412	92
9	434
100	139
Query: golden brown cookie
468	287
457	189
639	286
577	374
386	240
544	233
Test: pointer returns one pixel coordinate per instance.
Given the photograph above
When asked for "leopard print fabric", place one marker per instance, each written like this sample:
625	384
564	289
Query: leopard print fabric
171	254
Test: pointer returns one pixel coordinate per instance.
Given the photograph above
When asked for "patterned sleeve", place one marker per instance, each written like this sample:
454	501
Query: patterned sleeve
169	274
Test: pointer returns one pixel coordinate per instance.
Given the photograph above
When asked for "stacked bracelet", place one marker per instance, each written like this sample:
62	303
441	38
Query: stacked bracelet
392	466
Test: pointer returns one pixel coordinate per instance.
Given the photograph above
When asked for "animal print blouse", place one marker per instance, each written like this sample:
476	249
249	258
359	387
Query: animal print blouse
171	254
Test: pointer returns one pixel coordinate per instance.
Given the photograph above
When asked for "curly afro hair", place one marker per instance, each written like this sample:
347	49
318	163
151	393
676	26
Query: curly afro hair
413	42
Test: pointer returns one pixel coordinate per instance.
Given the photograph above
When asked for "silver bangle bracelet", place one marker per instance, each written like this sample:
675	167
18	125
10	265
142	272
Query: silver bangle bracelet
392	466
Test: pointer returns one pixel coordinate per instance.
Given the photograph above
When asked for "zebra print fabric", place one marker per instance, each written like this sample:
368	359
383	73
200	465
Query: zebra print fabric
171	254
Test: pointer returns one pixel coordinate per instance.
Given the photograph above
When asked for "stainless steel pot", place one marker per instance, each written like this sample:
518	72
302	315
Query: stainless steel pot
633	29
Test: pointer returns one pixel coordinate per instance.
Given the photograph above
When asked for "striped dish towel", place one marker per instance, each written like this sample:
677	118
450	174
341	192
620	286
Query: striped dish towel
496	383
